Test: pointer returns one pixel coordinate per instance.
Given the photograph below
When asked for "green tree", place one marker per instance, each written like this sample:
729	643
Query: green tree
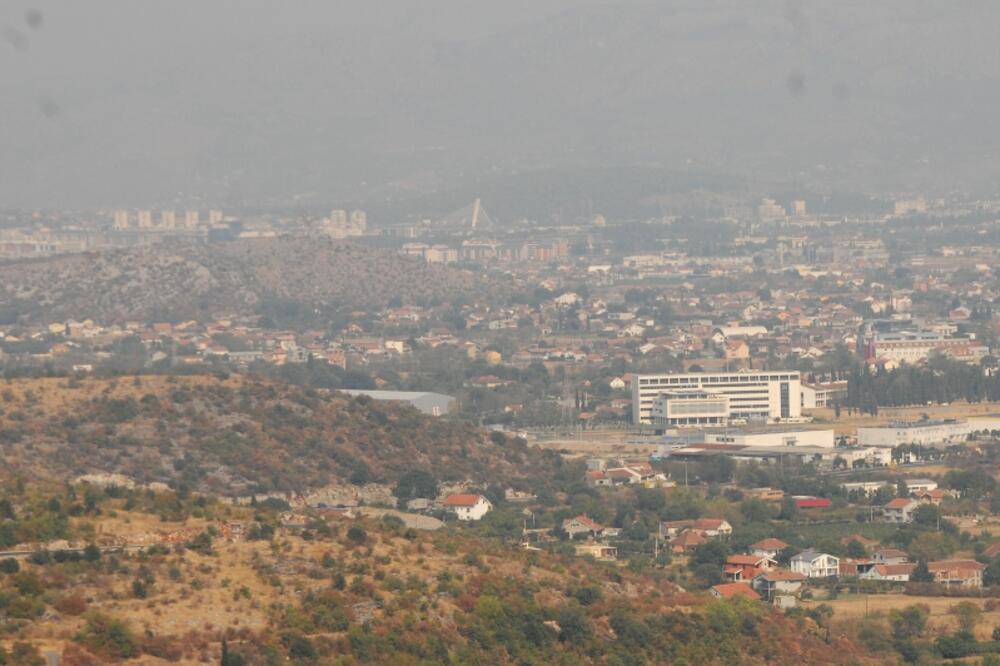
104	634
921	574
24	654
202	543
968	615
927	515
957	645
789	509
412	485
708	574
755	510
714	552
91	553
573	625
909	622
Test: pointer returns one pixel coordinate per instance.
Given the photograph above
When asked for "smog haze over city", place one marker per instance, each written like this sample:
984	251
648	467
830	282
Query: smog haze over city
522	332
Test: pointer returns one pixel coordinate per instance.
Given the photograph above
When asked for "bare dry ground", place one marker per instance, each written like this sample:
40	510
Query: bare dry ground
600	443
242	583
853	606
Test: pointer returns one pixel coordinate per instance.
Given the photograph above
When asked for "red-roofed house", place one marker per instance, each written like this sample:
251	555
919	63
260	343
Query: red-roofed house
935	496
468	507
963	573
582	524
891	556
710	527
769	548
864	541
597	477
897	572
850	566
731	590
778	582
746	567
900	510
687	540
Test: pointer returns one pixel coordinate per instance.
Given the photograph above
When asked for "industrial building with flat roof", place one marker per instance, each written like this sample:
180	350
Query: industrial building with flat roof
926	433
753	397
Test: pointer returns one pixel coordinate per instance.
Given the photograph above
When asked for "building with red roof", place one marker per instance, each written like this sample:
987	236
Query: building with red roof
732	590
468	506
770	548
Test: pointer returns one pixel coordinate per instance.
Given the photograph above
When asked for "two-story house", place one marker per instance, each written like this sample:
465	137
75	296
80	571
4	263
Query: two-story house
468	507
813	564
959	573
778	582
769	548
900	510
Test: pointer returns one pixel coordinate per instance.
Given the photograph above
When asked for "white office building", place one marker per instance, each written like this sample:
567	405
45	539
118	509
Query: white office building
687	408
754	397
823	395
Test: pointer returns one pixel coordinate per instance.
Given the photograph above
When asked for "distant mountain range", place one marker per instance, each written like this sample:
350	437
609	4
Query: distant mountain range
354	102
194	280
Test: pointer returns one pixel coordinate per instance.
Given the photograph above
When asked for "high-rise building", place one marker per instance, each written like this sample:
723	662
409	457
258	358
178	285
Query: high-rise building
191	219
168	219
338	218
799	208
910	207
770	210
752	396
215	217
359	221
121	219
145	219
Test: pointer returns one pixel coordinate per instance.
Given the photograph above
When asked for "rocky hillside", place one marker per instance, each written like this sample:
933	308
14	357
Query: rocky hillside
239	435
189	280
359	592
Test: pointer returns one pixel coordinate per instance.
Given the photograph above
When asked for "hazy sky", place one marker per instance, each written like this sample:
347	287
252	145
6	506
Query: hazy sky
140	102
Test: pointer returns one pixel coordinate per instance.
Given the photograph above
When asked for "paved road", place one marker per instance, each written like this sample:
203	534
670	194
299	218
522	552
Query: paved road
23	554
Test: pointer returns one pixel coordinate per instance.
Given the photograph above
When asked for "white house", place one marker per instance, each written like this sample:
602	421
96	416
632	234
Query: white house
468	507
567	299
769	548
710	527
891	556
894	572
813	564
900	510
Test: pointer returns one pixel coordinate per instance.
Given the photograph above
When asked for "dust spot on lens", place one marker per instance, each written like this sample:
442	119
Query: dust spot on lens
15	38
796	83
48	107
34	19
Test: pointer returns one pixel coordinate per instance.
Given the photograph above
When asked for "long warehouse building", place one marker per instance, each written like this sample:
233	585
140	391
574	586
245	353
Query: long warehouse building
753	397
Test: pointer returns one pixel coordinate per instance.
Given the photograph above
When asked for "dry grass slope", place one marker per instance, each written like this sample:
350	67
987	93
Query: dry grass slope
240	434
